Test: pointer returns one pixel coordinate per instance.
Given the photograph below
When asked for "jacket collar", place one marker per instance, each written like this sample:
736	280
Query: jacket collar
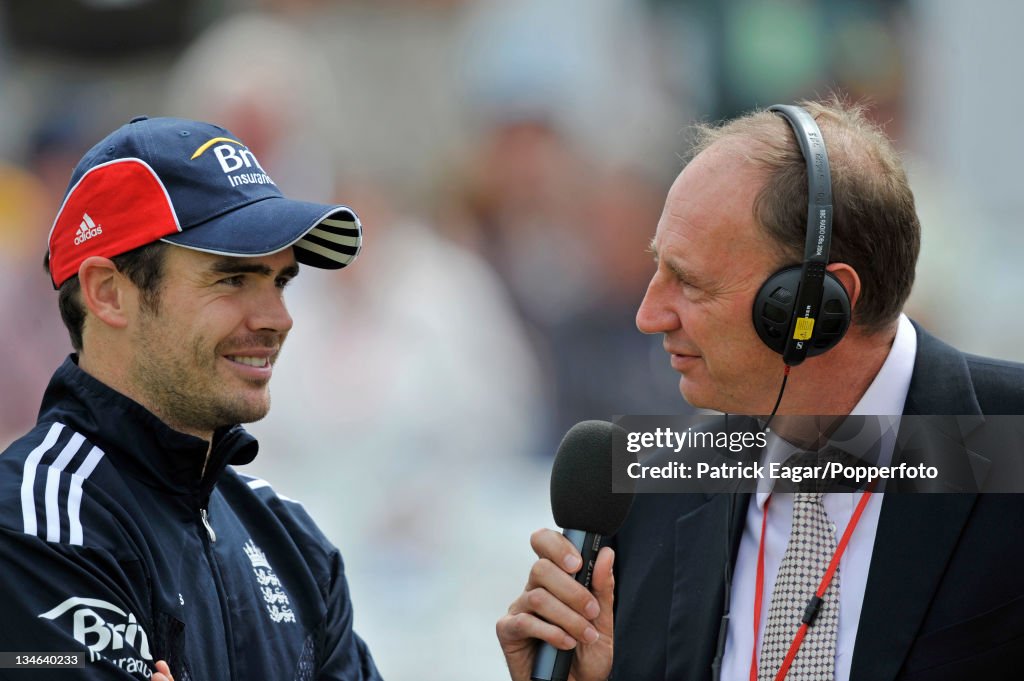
941	384
140	443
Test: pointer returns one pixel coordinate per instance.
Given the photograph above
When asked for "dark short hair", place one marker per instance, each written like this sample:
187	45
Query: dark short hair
875	225
143	266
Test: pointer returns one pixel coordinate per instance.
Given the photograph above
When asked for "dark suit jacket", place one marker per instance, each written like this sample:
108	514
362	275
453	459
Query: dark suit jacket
945	593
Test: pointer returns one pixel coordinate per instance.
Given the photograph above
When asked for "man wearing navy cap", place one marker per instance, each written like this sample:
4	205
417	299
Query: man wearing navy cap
125	537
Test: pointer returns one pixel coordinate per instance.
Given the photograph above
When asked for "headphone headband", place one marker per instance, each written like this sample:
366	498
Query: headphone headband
819	180
807	294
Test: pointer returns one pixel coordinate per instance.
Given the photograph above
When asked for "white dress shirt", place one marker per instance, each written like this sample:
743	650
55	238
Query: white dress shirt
885	396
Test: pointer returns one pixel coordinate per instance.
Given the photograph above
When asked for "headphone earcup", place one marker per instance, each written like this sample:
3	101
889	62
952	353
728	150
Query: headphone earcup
773	312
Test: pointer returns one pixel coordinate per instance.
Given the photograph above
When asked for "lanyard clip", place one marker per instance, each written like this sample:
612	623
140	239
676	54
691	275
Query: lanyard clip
811	611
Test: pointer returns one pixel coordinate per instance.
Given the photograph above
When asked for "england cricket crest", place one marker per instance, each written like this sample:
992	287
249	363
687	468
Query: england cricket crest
278	605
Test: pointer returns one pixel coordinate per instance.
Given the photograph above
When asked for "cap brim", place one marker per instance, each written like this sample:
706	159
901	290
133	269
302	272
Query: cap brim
324	236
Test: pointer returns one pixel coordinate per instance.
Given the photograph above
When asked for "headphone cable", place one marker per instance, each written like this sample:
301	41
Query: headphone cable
723	627
785	377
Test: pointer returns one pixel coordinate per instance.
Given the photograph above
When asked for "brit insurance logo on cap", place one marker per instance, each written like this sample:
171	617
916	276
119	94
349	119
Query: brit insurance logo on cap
233	159
193	185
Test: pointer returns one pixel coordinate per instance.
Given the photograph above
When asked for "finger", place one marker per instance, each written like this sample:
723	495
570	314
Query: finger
163	672
603	584
556	548
546	575
553	611
514	629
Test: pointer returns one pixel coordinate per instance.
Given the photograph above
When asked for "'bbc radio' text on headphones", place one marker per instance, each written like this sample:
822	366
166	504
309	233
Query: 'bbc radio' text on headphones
802	311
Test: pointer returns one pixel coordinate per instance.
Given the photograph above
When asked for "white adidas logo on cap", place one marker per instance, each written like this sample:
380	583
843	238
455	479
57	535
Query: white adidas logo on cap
87	230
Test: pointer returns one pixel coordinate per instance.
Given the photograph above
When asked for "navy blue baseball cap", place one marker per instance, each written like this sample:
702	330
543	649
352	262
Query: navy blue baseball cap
194	185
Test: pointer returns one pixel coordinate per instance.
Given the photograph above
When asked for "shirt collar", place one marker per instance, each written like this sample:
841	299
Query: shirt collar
888	392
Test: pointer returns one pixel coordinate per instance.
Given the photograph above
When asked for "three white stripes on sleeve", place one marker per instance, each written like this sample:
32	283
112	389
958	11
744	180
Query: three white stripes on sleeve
52	489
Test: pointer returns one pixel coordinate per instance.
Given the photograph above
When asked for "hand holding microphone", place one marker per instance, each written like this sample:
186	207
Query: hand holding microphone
575	626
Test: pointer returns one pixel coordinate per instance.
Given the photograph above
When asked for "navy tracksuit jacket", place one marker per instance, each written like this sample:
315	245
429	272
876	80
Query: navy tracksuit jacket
115	543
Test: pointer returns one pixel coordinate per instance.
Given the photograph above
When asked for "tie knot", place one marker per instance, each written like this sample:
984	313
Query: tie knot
820	457
807	498
812	471
803	472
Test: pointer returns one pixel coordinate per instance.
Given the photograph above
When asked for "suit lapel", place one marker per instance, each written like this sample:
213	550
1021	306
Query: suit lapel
699	581
941	383
917	533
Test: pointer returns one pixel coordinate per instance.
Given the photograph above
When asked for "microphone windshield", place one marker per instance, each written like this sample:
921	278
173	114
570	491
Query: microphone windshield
581	481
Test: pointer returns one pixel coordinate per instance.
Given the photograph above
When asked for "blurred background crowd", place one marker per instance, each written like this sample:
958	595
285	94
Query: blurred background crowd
509	159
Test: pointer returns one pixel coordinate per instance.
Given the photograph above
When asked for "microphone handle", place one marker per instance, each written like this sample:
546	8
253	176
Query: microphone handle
552	664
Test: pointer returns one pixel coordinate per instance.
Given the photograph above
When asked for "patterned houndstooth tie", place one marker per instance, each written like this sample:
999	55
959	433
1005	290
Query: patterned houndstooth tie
810	549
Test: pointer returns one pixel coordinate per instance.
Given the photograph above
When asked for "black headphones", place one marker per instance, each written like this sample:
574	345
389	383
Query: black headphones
802	310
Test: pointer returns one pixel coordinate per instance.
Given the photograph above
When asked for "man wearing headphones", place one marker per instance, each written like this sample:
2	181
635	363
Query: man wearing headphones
912	586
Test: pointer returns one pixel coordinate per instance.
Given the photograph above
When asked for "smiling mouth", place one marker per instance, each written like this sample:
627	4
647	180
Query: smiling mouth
258	362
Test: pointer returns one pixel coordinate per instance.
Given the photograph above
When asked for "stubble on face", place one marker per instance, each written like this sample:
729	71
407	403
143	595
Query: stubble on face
177	377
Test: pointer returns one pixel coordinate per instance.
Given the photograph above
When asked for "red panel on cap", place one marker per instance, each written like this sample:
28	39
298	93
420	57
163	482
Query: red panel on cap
114	208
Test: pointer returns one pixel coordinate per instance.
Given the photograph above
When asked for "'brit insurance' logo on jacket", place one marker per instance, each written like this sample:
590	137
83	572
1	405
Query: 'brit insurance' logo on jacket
278	605
107	632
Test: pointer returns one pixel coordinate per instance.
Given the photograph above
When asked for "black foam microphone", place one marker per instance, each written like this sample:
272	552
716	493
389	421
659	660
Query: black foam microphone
582	503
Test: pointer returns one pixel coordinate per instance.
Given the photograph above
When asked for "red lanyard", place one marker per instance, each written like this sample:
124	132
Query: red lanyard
820	593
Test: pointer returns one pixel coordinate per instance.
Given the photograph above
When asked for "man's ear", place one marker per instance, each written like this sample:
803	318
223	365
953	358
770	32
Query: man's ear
849	278
105	291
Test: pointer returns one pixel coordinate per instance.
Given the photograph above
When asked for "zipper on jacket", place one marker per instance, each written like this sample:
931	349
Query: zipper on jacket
204	515
218	583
